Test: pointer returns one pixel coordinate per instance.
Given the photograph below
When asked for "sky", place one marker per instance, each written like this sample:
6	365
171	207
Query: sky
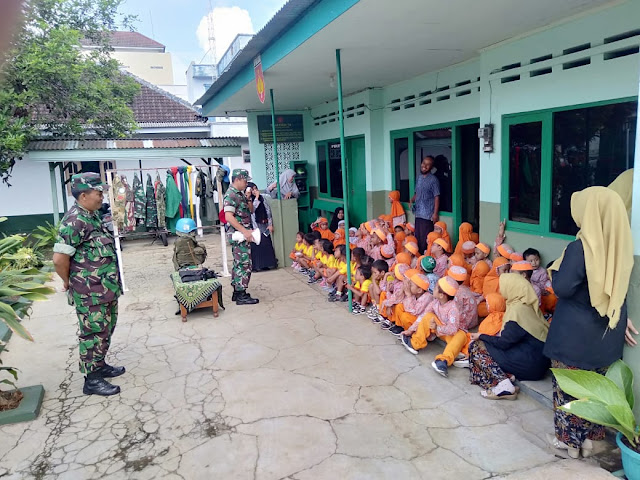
181	25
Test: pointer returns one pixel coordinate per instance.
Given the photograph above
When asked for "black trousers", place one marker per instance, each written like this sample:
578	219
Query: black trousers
423	228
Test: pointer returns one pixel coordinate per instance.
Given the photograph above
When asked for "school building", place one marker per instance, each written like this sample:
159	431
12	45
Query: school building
554	85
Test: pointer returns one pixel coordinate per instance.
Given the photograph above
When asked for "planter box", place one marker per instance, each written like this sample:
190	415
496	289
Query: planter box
28	409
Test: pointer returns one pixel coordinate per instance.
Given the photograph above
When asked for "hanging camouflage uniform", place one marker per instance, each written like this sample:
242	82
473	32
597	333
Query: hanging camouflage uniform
140	200
129	205
151	210
94	281
161	202
118	204
236	203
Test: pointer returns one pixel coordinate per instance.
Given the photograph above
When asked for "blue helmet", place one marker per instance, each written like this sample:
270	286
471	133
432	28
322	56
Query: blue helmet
185	225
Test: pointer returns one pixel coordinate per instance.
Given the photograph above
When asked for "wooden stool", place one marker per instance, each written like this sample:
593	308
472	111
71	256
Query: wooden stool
213	302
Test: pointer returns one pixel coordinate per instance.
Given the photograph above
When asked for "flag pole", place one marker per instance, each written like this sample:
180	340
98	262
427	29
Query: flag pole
277	170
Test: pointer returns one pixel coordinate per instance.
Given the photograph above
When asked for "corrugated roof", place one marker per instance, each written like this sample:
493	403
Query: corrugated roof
128	39
171	124
128	143
281	21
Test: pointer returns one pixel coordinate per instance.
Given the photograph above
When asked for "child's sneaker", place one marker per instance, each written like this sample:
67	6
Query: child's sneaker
441	367
396	330
386	324
344	297
335	297
372	312
312	280
357	309
406	342
461	362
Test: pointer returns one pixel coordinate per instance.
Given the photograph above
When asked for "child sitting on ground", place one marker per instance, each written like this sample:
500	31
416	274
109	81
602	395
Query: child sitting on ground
340	262
492	282
395	295
466	299
428	264
457	260
481	268
360	290
308	255
526	270
297	250
441	229
492	324
431	237
339	236
540	278
416	300
340	293
442	261
388	254
321	225
379	269
442	319
469	253
327	264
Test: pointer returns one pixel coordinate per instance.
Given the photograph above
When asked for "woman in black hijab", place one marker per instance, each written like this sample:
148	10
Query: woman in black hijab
338	215
262	256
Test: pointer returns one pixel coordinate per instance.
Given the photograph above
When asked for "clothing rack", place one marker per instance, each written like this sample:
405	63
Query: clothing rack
223	242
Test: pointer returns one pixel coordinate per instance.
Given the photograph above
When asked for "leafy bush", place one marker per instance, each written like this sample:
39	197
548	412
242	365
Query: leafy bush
46	235
602	399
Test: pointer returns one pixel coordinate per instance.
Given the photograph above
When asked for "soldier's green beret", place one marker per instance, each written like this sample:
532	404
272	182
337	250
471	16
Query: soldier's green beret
241	173
87	181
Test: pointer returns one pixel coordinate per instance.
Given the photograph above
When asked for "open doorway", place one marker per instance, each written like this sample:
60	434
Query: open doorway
470	174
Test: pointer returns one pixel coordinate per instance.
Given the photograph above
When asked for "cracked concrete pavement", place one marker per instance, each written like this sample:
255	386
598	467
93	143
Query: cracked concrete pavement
293	388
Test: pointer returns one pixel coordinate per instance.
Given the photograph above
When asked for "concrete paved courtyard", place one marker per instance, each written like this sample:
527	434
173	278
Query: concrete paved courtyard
292	388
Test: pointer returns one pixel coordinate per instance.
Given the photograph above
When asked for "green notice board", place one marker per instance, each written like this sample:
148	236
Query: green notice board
289	128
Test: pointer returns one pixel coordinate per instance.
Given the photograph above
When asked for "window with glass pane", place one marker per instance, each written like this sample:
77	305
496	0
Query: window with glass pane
592	146
401	168
525	146
322	168
335	170
437	144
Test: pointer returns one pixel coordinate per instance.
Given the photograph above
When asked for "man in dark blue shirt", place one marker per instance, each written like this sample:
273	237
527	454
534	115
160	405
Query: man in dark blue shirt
427	202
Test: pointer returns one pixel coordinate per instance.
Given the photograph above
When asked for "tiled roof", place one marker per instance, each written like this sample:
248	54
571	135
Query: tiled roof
155	105
129	39
128	143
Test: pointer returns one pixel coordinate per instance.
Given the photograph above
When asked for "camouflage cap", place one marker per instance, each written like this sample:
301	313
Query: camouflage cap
87	181
240	172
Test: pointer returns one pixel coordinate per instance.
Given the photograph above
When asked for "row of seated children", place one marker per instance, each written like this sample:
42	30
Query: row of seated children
420	297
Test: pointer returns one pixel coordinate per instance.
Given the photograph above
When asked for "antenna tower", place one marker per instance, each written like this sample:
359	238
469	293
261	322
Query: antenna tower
212	35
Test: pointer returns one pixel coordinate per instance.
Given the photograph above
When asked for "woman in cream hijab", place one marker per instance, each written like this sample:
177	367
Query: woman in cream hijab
518	349
591	280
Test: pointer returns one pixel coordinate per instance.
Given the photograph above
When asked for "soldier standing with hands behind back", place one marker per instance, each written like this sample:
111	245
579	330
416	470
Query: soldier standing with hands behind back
85	259
238	215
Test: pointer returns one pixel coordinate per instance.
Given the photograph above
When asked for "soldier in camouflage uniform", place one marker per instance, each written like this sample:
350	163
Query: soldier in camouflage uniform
85	259
237	211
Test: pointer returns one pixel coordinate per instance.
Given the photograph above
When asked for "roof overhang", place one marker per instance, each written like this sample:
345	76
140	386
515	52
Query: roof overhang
381	42
132	149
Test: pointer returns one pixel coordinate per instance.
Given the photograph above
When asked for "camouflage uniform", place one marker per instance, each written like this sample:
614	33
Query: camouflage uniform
140	200
94	281
161	202
236	203
151	213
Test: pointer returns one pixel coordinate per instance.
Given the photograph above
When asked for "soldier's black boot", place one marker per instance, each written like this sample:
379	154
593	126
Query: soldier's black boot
234	297
108	371
243	298
96	385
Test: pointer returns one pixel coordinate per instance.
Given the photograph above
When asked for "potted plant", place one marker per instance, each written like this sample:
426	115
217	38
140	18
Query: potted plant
606	400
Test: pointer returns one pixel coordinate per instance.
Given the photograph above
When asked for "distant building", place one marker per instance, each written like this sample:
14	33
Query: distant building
232	52
199	78
142	56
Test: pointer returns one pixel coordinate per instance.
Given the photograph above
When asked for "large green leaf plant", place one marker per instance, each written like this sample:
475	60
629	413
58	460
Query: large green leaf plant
602	399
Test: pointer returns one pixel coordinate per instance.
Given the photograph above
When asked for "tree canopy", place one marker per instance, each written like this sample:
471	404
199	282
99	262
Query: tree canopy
50	86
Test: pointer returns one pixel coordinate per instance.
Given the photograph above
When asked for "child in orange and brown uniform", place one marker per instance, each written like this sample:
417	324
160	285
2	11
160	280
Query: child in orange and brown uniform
481	268
441	229
442	319
467	300
442	261
395	294
417	299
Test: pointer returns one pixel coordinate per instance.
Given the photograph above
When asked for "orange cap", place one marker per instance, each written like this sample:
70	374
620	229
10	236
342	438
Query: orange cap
367	225
468	247
411	272
387	218
443	243
421	280
449	286
411	238
323	220
516	257
413	248
521	266
387	251
380	234
505	250
399	270
403	257
418	265
484	248
458	273
411	227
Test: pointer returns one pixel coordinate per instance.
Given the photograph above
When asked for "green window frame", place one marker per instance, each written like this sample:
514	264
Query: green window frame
543	228
327	173
456	184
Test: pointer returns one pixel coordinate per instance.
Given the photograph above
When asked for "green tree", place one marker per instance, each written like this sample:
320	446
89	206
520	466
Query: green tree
49	85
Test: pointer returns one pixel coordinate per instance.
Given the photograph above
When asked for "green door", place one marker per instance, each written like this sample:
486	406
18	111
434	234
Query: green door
357	179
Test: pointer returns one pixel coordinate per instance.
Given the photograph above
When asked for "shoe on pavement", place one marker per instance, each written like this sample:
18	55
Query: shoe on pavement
574	452
244	298
386	324
108	371
396	330
462	363
94	385
441	367
377	319
406	343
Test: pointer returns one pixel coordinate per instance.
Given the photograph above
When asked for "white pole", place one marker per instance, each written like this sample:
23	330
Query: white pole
115	230
223	240
196	203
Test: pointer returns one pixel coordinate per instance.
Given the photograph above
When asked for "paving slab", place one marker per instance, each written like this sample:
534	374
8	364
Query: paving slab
293	388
